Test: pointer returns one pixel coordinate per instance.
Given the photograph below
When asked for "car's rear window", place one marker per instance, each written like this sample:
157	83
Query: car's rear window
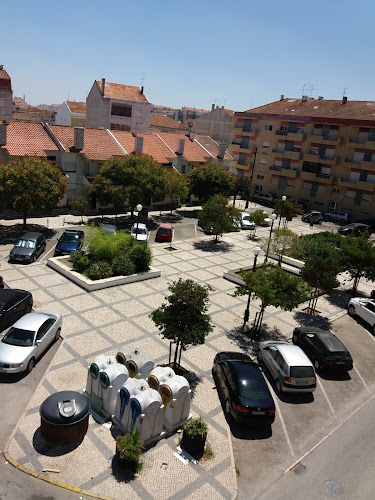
301	371
164	230
26	243
253	390
69	237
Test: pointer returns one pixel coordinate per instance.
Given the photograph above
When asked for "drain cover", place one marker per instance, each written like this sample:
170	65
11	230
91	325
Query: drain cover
299	468
333	487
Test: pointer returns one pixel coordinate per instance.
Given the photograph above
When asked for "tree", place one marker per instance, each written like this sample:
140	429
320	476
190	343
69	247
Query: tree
79	205
282	240
258	218
218	216
176	186
32	184
183	319
242	186
287	209
274	287
358	258
137	178
210	179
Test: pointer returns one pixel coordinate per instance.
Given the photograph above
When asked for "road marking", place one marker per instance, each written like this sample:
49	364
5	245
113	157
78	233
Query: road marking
49	251
325	395
359	375
284	428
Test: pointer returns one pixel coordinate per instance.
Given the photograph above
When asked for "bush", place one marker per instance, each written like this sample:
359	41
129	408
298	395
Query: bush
99	270
103	246
122	265
80	261
196	427
129	449
140	254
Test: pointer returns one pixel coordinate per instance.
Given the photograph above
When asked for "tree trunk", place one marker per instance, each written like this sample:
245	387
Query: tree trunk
175	355
24	220
355	283
234	200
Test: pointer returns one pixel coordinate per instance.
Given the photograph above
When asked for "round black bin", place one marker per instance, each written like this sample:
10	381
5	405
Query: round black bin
64	417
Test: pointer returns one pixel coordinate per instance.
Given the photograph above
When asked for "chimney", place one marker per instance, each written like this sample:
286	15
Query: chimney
103	85
320	98
142	89
213	107
181	146
138	144
191	136
304	98
221	151
3	134
282	97
1	67
78	138
344	99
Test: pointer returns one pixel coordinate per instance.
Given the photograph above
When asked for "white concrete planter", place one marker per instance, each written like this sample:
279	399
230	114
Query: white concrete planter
287	260
59	265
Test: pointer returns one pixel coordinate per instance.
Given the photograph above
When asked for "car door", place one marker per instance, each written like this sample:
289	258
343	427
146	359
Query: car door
44	336
313	347
269	355
368	312
13	310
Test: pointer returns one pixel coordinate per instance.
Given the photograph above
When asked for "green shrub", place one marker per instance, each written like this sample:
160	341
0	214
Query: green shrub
196	427
99	270
80	261
129	449
122	265
105	246
141	255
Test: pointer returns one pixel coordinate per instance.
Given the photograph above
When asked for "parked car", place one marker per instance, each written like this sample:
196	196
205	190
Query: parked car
164	232
356	229
69	241
339	215
28	248
288	365
27	339
109	229
263	197
364	308
13	304
266	220
323	348
139	232
312	217
1	282
243	388
245	221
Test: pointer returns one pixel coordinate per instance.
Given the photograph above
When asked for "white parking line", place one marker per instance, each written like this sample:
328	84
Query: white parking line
360	376
325	395
49	251
284	427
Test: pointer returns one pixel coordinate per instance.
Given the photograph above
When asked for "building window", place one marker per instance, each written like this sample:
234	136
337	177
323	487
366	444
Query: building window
183	169
118	126
51	158
263	161
268	127
265	144
335	190
242	159
307	185
260	176
121	110
350	194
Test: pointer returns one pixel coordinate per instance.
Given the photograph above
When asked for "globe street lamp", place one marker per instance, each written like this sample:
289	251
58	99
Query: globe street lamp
256	251
139	209
283	198
273	217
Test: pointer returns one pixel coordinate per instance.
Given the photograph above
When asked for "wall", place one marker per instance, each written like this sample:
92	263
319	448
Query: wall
63	115
217	124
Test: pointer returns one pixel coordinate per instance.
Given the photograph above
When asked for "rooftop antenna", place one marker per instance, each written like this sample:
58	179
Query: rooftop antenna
308	89
344	91
143	77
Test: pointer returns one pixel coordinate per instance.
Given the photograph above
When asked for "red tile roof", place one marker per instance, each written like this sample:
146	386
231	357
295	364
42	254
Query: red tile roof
152	145
192	150
97	144
28	139
77	107
166	122
119	91
5	81
212	146
319	108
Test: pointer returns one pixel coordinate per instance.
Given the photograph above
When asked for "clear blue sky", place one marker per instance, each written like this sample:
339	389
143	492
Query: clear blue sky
239	53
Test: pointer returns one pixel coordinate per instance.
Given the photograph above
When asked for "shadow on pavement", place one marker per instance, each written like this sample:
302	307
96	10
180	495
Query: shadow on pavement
304	319
210	246
43	447
249	343
10	234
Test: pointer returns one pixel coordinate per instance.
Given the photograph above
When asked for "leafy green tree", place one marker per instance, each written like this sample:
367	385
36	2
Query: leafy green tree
184	319
281	242
258	218
32	184
358	258
242	187
274	287
79	205
210	179
218	216
176	186
137	178
287	209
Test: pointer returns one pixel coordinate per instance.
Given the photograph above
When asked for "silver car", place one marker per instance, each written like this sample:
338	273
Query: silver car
27	339
289	366
364	308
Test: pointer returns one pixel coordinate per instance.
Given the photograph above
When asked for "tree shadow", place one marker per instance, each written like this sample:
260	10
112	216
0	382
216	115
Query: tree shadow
123	473
44	447
305	319
10	234
339	298
194	380
169	218
211	246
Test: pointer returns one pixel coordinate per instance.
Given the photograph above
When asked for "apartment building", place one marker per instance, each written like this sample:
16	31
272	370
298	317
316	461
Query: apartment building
217	123
321	152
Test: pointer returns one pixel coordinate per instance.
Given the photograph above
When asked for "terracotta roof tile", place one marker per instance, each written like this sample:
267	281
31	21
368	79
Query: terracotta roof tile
97	144
192	150
166	122
5	81
119	91
28	139
77	107
152	145
212	146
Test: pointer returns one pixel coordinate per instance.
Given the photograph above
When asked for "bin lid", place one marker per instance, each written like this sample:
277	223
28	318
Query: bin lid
65	408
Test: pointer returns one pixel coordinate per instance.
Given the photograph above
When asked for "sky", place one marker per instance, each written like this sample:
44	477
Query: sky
239	54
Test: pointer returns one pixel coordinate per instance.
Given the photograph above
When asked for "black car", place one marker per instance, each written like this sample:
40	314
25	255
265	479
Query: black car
244	390
13	305
356	228
1	282
28	248
324	349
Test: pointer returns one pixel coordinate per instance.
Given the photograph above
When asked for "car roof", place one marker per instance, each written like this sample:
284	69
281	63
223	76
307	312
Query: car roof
139	225
293	354
73	231
163	224
7	294
30	235
233	356
246	369
31	321
328	338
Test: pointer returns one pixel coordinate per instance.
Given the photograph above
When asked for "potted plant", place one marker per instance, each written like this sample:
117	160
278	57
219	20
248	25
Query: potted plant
194	437
129	449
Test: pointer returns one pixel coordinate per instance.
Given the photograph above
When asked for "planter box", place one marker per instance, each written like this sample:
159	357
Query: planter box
193	445
60	265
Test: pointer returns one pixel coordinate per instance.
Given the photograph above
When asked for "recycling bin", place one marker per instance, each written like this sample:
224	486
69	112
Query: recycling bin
139	365
146	417
176	397
159	375
111	379
131	388
100	363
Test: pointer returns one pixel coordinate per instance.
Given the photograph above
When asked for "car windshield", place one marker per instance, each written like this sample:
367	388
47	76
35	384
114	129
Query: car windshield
164	230
301	371
251	389
19	337
245	217
25	243
69	238
140	230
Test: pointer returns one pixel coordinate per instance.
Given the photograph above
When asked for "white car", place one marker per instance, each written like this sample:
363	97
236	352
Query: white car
27	339
139	232
245	221
267	220
337	215
364	308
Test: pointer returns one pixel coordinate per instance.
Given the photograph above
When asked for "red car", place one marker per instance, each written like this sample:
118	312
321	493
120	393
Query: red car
164	232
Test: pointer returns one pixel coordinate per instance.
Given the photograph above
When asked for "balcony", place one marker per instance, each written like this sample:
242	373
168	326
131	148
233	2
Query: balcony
316	177
292	136
368	143
325	139
314	158
249	131
288	172
356	184
291	155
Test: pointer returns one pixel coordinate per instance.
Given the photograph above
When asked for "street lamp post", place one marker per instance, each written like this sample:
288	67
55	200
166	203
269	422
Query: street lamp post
138	208
246	316
273	217
281	211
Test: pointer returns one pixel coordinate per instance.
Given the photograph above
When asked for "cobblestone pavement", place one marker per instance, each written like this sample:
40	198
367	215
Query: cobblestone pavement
104	322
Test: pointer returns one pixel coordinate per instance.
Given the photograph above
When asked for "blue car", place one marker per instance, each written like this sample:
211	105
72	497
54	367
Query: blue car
69	241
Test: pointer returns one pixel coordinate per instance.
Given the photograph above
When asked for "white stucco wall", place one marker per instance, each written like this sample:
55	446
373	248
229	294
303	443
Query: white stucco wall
63	115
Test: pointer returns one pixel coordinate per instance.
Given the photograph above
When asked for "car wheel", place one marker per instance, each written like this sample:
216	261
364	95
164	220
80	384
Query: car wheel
227	408
317	364
279	387
259	356
30	365
295	338
57	334
351	311
29	308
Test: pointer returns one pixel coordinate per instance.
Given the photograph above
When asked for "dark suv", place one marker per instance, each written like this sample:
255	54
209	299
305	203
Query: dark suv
312	216
28	248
